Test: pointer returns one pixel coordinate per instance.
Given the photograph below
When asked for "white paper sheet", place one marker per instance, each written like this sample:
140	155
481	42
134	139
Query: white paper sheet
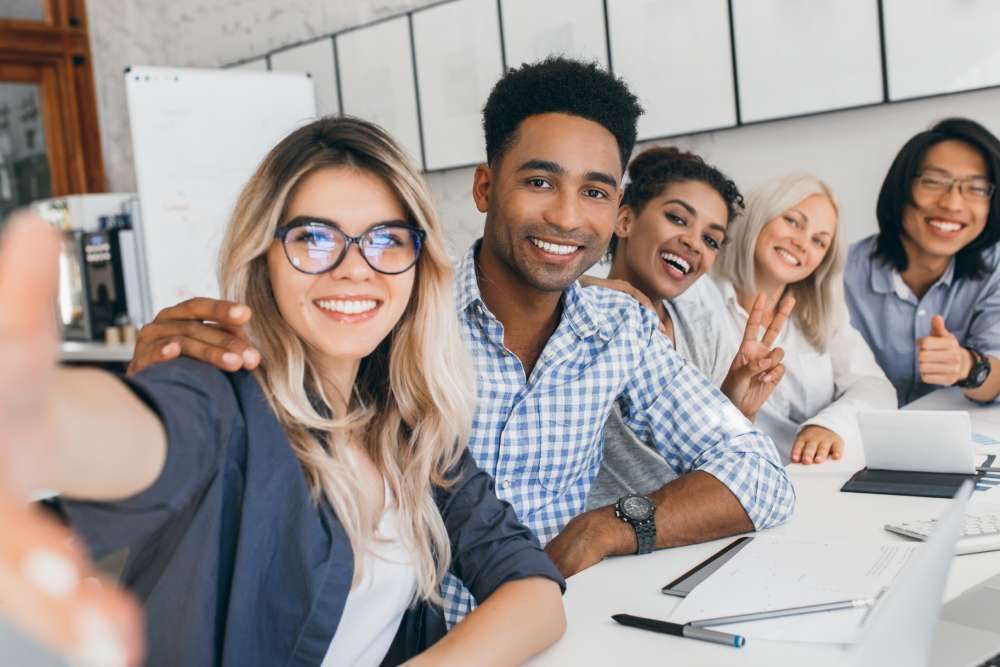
779	572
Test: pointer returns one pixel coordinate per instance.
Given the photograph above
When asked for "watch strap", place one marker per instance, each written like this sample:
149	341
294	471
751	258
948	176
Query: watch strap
645	536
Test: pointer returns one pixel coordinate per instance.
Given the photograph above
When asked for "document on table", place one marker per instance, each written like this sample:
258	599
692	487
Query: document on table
778	572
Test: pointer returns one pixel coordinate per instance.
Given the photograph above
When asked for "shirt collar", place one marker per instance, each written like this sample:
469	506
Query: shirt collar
580	307
886	279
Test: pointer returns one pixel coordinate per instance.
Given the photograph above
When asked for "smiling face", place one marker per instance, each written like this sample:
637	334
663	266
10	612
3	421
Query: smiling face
551	202
345	313
673	241
791	246
938	223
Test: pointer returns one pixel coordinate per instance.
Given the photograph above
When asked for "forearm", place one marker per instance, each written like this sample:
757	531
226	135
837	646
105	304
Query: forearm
991	388
693	508
108	444
517	621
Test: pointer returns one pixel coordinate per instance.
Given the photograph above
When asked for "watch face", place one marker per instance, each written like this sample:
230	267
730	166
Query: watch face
979	377
638	508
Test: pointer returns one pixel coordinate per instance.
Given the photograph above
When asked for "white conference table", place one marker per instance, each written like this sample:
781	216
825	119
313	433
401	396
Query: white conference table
632	584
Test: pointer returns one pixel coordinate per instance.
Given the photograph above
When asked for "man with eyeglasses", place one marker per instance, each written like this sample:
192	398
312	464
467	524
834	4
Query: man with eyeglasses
925	290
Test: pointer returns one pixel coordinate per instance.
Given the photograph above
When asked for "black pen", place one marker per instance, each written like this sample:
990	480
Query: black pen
680	630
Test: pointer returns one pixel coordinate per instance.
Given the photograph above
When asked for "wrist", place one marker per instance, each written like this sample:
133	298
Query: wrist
615	537
968	360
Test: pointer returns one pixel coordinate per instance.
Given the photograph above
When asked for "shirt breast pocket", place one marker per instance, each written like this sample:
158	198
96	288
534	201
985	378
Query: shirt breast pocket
568	450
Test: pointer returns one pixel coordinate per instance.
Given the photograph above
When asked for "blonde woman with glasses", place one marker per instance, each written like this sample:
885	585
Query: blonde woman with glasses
788	242
304	513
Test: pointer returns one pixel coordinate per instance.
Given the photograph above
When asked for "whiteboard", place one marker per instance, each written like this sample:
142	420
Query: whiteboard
197	136
795	57
376	80
534	29
256	65
316	59
683	77
941	46
456	69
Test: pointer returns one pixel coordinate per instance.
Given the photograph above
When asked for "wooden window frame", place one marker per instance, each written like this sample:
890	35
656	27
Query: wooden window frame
55	55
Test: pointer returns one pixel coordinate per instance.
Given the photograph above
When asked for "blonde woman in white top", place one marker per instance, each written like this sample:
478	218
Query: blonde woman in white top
787	242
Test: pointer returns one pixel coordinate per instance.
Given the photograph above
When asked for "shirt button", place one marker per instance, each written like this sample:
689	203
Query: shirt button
505	484
921	312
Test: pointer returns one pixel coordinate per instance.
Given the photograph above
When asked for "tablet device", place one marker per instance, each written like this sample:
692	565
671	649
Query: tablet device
685	583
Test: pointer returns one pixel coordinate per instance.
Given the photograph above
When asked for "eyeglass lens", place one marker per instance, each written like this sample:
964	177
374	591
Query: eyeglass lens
315	248
974	187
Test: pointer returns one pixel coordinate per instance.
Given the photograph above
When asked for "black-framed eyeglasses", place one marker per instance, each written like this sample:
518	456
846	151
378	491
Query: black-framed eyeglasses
314	246
975	187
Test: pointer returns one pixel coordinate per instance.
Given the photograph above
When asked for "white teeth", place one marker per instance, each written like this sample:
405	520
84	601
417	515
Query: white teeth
553	248
352	307
788	257
677	261
945	226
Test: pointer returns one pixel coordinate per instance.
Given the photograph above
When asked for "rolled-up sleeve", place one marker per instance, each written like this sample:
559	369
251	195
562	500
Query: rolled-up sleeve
672	405
490	546
198	408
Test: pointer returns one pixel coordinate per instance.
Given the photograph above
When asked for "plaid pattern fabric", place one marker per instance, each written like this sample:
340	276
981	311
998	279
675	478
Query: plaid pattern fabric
541	438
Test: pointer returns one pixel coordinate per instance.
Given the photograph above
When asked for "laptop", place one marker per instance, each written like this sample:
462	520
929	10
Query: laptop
905	629
934	441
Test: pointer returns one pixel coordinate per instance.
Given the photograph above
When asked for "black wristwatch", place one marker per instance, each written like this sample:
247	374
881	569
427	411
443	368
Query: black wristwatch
640	513
978	373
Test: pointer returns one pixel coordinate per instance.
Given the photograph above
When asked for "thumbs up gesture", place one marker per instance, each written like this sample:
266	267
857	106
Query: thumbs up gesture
941	359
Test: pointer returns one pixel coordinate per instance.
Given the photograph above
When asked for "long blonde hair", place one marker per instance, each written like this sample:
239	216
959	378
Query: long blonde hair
817	295
414	395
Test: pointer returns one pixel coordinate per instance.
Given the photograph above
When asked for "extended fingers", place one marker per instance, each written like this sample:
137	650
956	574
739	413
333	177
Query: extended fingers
29	276
754	319
227	313
785	307
212	344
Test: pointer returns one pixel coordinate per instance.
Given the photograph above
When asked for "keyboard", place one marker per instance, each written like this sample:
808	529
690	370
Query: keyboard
980	533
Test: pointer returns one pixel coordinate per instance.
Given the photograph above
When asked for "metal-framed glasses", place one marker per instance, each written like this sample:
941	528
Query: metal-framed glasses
315	246
975	187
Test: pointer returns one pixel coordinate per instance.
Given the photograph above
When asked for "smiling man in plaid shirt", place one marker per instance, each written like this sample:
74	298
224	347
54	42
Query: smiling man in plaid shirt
552	358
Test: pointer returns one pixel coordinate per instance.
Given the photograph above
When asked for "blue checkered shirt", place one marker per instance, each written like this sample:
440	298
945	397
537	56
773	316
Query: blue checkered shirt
542	437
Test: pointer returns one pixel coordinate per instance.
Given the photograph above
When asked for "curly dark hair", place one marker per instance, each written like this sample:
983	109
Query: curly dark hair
655	168
559	85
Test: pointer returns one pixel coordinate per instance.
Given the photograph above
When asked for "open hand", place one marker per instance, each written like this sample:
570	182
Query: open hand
815	443
209	330
49	592
757	369
940	357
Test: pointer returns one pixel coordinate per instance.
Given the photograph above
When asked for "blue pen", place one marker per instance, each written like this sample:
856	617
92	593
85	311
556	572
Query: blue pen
680	630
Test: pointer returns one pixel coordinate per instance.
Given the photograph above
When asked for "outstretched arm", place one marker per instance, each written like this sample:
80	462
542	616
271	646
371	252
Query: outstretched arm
57	432
517	621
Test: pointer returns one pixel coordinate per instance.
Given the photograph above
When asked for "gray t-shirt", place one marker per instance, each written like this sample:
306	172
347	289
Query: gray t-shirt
630	465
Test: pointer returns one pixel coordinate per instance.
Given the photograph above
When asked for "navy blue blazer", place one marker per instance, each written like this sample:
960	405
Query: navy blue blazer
232	561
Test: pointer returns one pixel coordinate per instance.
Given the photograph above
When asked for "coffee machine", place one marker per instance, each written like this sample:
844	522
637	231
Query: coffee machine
92	284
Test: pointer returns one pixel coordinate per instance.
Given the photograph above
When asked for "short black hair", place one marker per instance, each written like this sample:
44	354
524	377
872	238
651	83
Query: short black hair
897	192
655	168
559	85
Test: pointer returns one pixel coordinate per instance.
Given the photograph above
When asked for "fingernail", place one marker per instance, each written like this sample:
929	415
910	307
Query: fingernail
231	359
52	572
167	349
251	357
237	312
99	643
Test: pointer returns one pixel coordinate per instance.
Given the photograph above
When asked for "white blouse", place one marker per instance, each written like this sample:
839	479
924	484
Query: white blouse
825	389
375	607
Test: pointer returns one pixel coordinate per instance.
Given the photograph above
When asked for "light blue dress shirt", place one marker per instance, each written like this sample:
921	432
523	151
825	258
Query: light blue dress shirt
541	437
891	317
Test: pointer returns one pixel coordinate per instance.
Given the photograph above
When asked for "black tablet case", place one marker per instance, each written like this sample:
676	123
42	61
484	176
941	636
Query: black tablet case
906	483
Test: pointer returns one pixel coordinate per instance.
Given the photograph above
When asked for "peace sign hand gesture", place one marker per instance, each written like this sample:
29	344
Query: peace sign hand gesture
757	369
